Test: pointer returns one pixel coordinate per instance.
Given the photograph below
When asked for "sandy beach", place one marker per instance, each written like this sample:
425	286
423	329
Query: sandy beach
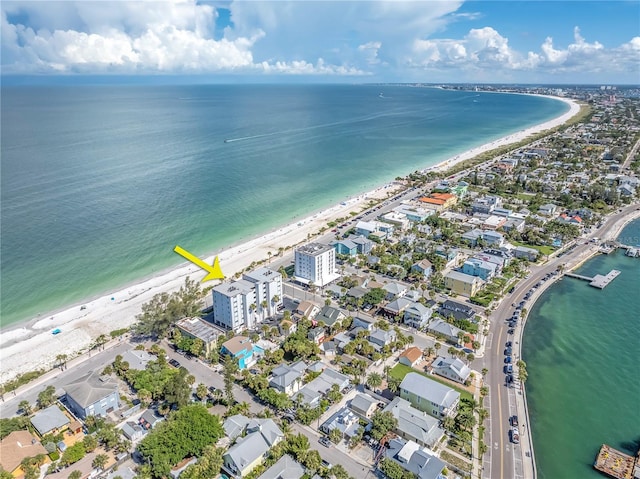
30	346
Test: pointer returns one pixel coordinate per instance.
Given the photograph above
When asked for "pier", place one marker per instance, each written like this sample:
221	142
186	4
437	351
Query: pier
598	281
616	464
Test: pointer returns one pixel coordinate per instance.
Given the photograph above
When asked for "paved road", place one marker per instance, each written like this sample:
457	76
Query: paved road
507	460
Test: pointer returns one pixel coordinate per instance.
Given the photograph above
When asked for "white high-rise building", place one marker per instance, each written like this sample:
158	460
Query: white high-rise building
232	305
316	263
239	305
268	290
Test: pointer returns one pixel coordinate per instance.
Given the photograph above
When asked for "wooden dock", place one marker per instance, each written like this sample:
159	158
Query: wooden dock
615	463
598	281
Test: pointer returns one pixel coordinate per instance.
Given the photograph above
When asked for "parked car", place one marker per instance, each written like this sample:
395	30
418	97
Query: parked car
509	378
325	441
507	352
326	464
515	436
174	363
510	331
508	344
514	420
507	360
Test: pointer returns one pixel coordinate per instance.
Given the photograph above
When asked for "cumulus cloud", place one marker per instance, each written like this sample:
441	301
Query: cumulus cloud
486	50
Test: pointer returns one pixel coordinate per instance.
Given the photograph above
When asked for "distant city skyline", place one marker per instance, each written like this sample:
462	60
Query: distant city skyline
324	41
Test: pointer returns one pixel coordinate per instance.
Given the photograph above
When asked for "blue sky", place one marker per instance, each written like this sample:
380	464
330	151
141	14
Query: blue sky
346	41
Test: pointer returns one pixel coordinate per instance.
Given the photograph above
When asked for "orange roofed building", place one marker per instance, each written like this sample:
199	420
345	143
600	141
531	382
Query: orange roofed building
17	446
439	201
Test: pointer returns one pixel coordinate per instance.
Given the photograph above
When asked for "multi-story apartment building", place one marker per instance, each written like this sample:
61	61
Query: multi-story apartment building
316	263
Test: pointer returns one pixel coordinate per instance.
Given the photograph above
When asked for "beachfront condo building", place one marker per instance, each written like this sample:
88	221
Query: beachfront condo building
244	303
315	263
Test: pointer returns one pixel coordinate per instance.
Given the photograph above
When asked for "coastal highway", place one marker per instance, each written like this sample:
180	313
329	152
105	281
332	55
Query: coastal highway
506	460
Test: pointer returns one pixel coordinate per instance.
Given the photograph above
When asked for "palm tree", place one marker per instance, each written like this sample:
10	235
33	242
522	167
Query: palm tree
100	461
202	391
61	359
25	407
101	341
437	347
75	474
374	380
393	383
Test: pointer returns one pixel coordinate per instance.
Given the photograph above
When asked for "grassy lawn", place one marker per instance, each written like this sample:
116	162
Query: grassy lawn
400	371
545	250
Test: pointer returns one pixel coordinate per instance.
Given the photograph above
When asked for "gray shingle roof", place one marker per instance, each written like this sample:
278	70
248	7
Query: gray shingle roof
49	419
90	388
414	423
361	403
429	389
286	468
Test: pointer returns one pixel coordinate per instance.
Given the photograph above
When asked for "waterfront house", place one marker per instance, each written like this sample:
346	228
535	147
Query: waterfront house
429	396
451	368
50	420
92	395
345	247
198	328
137	359
413	424
463	284
411	357
241	349
530	254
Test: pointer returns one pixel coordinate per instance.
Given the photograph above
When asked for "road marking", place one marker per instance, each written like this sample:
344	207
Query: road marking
500	419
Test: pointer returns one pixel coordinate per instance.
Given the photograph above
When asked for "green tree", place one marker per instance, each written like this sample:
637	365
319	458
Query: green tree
335	435
374	380
46	397
391	469
25	407
100	461
75	474
72	454
230	368
382	423
202	392
208	465
393	383
89	442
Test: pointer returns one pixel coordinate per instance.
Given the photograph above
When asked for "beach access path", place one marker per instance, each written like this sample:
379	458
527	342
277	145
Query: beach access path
505	460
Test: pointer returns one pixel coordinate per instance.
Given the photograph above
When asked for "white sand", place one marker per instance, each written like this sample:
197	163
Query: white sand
30	347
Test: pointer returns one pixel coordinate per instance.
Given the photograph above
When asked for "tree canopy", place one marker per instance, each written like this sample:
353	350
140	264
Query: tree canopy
187	432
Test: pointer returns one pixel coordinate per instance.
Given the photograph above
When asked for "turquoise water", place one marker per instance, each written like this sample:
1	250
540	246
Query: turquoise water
581	347
99	183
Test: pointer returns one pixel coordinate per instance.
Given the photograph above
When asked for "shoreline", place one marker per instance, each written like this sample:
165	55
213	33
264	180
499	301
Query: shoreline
28	345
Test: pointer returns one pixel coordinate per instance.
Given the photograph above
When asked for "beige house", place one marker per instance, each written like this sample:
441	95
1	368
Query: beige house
16	447
463	284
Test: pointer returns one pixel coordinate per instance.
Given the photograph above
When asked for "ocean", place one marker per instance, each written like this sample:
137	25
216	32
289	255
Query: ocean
581	348
99	183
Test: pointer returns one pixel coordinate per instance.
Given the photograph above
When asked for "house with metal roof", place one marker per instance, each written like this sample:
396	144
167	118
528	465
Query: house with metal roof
312	392
413	424
440	327
395	290
287	378
421	462
344	421
429	396
198	328
330	316
137	359
417	315
450	368
364	405
250	450
92	395
50	420
285	468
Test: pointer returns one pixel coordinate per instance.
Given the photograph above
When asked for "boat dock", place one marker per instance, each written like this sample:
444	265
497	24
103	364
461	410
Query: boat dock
598	281
616	464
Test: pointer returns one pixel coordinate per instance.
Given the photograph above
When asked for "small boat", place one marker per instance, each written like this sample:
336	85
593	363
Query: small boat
227	140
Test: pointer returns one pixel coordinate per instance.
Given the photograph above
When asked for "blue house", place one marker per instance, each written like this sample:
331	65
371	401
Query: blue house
242	349
477	267
92	395
345	246
423	267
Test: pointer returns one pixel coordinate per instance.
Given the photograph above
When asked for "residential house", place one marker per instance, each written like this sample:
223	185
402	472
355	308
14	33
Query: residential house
364	405
312	392
285	468
366	323
287	378
50	420
486	204
416	315
472	237
345	247
493	238
530	254
92	395
234	426
150	419
17	446
423	267
413	213
396	307
440	327
463	284
344	421
315	263
413	424
316	334
250	450
241	349
494	222
572	220
287	327
439	201
198	328
374	228
395	290
477	267
429	396
450	255
420	462
398	220
382	338
137	359
411	357
457	310
454	369
306	309
133	431
514	224
330	316
504	212
547	210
